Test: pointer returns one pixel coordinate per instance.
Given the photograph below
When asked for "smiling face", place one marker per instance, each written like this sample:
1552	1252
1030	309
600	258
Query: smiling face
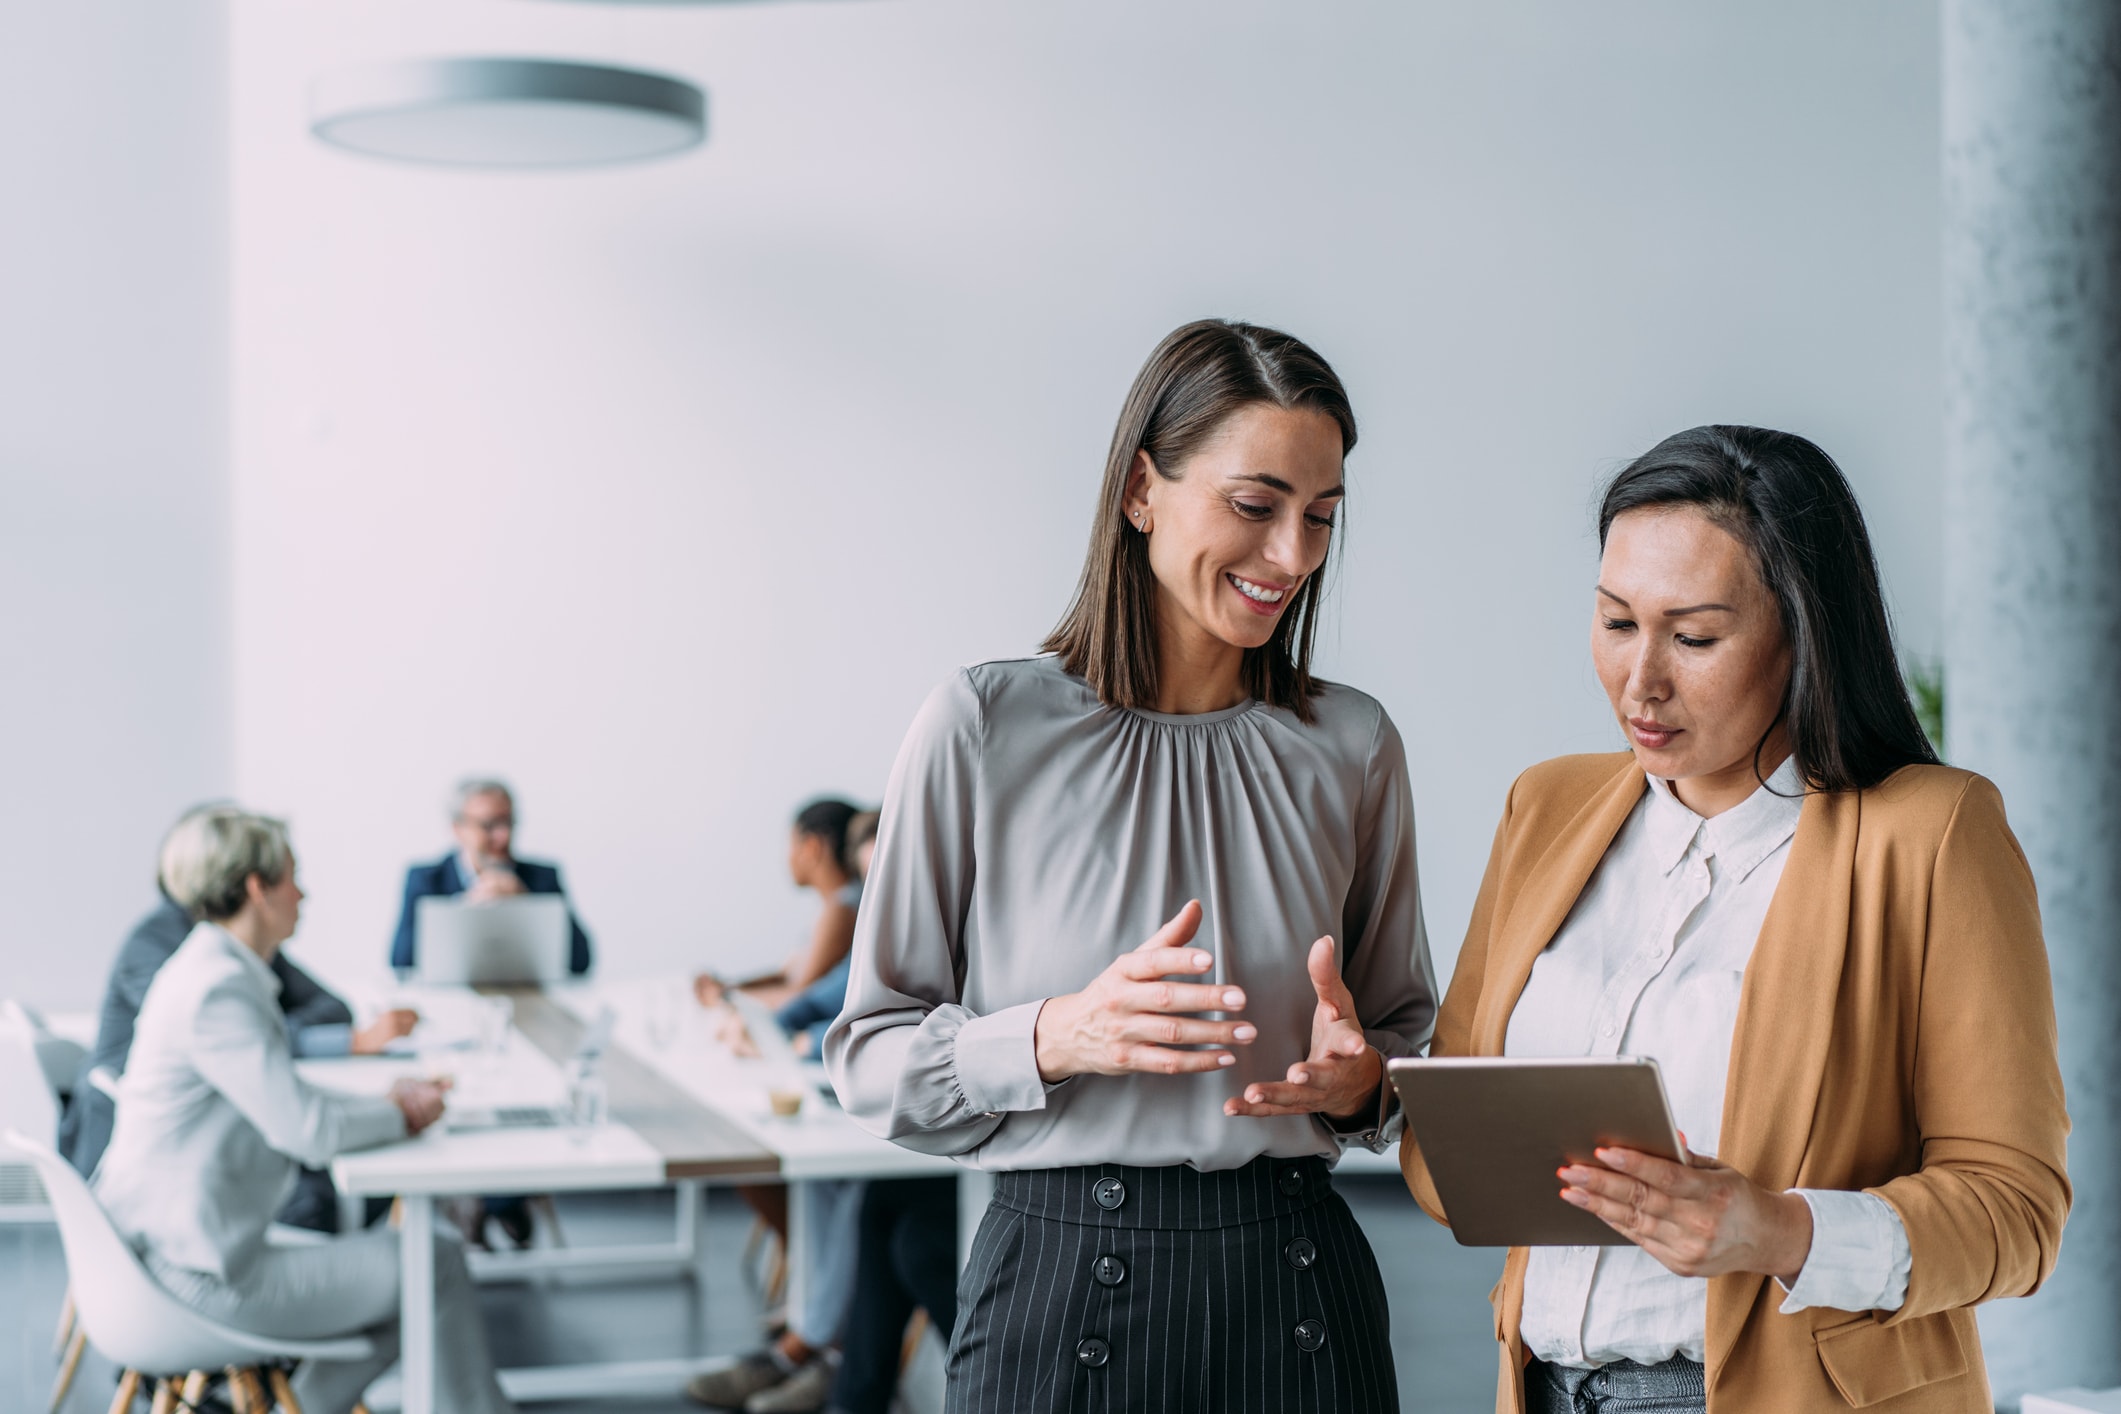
1248	520
1689	646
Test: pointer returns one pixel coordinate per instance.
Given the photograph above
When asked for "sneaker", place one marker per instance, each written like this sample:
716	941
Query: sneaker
803	1392
729	1388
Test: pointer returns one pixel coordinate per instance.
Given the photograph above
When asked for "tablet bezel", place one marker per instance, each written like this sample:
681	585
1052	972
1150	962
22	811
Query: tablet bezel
1493	1130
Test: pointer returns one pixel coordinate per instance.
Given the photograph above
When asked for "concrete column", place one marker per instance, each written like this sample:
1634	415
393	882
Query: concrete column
2032	514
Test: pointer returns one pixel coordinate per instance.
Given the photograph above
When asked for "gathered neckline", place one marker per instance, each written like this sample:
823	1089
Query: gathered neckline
1193	719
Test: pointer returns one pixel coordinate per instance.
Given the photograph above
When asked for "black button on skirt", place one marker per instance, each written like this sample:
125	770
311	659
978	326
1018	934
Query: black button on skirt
1184	1296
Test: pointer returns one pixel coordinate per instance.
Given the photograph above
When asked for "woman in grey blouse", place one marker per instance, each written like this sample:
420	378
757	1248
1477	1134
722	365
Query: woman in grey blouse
1143	925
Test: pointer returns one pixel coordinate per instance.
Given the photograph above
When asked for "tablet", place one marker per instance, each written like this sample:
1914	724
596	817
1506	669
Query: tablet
1494	1130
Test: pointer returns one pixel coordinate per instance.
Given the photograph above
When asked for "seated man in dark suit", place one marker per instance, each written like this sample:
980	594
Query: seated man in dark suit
318	1024
481	867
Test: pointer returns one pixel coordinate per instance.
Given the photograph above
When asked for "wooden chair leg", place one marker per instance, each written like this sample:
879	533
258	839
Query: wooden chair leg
915	1329
128	1391
282	1390
67	1367
194	1390
66	1326
239	1392
165	1397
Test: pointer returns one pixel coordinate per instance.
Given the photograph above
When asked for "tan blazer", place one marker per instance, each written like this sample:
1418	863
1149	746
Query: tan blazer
1896	1034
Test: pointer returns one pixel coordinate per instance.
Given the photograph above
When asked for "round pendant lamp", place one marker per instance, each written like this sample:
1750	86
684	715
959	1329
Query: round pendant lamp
514	113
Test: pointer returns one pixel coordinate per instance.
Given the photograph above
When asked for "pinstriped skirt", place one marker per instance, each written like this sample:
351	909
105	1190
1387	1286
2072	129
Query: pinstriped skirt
1108	1289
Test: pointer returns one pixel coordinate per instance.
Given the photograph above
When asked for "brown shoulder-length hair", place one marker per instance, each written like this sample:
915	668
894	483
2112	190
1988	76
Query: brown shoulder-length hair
1199	376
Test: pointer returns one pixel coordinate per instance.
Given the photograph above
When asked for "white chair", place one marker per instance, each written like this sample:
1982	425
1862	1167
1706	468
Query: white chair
144	1330
28	1104
60	1058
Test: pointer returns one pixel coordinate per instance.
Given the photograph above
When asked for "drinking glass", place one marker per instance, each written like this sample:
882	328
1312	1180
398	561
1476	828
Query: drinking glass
588	1102
496	1016
666	1012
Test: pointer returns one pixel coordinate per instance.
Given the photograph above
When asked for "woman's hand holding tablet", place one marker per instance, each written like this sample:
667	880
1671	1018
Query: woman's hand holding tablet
1700	1218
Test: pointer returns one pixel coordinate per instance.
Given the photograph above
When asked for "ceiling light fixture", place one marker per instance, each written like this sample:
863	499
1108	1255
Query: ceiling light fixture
519	113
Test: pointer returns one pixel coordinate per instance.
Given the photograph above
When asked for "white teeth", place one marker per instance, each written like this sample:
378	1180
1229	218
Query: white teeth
1259	592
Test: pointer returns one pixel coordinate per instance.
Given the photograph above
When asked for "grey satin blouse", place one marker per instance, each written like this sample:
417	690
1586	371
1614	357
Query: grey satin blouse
1032	834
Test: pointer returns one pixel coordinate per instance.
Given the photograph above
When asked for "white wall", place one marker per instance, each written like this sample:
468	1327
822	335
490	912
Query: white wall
669	491
114	633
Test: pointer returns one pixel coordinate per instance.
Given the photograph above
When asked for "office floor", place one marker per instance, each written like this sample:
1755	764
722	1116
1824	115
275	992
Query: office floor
1440	1322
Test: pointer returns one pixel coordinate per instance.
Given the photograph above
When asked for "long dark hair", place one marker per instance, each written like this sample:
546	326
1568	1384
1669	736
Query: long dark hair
827	819
1199	375
1850	721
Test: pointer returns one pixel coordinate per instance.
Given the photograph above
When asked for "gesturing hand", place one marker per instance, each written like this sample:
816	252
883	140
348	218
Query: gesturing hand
387	1027
1341	1074
1131	1020
1700	1218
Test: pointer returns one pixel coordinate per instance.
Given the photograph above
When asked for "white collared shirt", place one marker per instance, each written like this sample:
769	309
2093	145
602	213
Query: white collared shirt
1651	962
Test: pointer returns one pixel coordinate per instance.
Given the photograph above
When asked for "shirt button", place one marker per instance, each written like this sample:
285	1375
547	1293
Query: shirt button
1109	1270
1092	1353
1301	1253
1109	1193
1606	1030
1292	1181
1310	1334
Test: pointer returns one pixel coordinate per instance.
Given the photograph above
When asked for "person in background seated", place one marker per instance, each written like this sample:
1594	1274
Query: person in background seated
482	867
905	1248
318	1024
805	1015
213	1121
793	1374
817	859
905	1257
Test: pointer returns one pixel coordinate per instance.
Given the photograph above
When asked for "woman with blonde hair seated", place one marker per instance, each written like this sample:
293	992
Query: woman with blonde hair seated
213	1122
1829	943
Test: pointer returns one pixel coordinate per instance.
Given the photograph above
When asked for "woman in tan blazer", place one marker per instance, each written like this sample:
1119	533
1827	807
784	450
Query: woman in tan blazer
1830	943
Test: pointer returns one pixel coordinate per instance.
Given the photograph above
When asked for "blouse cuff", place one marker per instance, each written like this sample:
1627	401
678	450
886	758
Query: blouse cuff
996	1061
1860	1258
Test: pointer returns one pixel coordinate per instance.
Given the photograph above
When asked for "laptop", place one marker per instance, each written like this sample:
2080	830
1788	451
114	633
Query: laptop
507	941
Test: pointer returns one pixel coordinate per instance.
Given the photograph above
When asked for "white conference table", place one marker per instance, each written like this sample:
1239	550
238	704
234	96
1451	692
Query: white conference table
684	1111
683	1114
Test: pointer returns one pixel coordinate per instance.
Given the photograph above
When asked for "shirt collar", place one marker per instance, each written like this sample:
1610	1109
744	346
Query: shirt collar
1742	837
259	967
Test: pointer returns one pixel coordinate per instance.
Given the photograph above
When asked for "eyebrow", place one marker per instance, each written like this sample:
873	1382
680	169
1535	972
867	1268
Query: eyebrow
1267	478
1669	613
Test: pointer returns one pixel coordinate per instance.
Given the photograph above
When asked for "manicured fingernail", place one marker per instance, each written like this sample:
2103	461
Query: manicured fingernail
1233	997
1201	962
1251	1097
1299	1077
1245	1033
1225	1058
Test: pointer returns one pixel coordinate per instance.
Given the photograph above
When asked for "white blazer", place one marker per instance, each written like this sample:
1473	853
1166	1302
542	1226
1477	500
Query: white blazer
212	1118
